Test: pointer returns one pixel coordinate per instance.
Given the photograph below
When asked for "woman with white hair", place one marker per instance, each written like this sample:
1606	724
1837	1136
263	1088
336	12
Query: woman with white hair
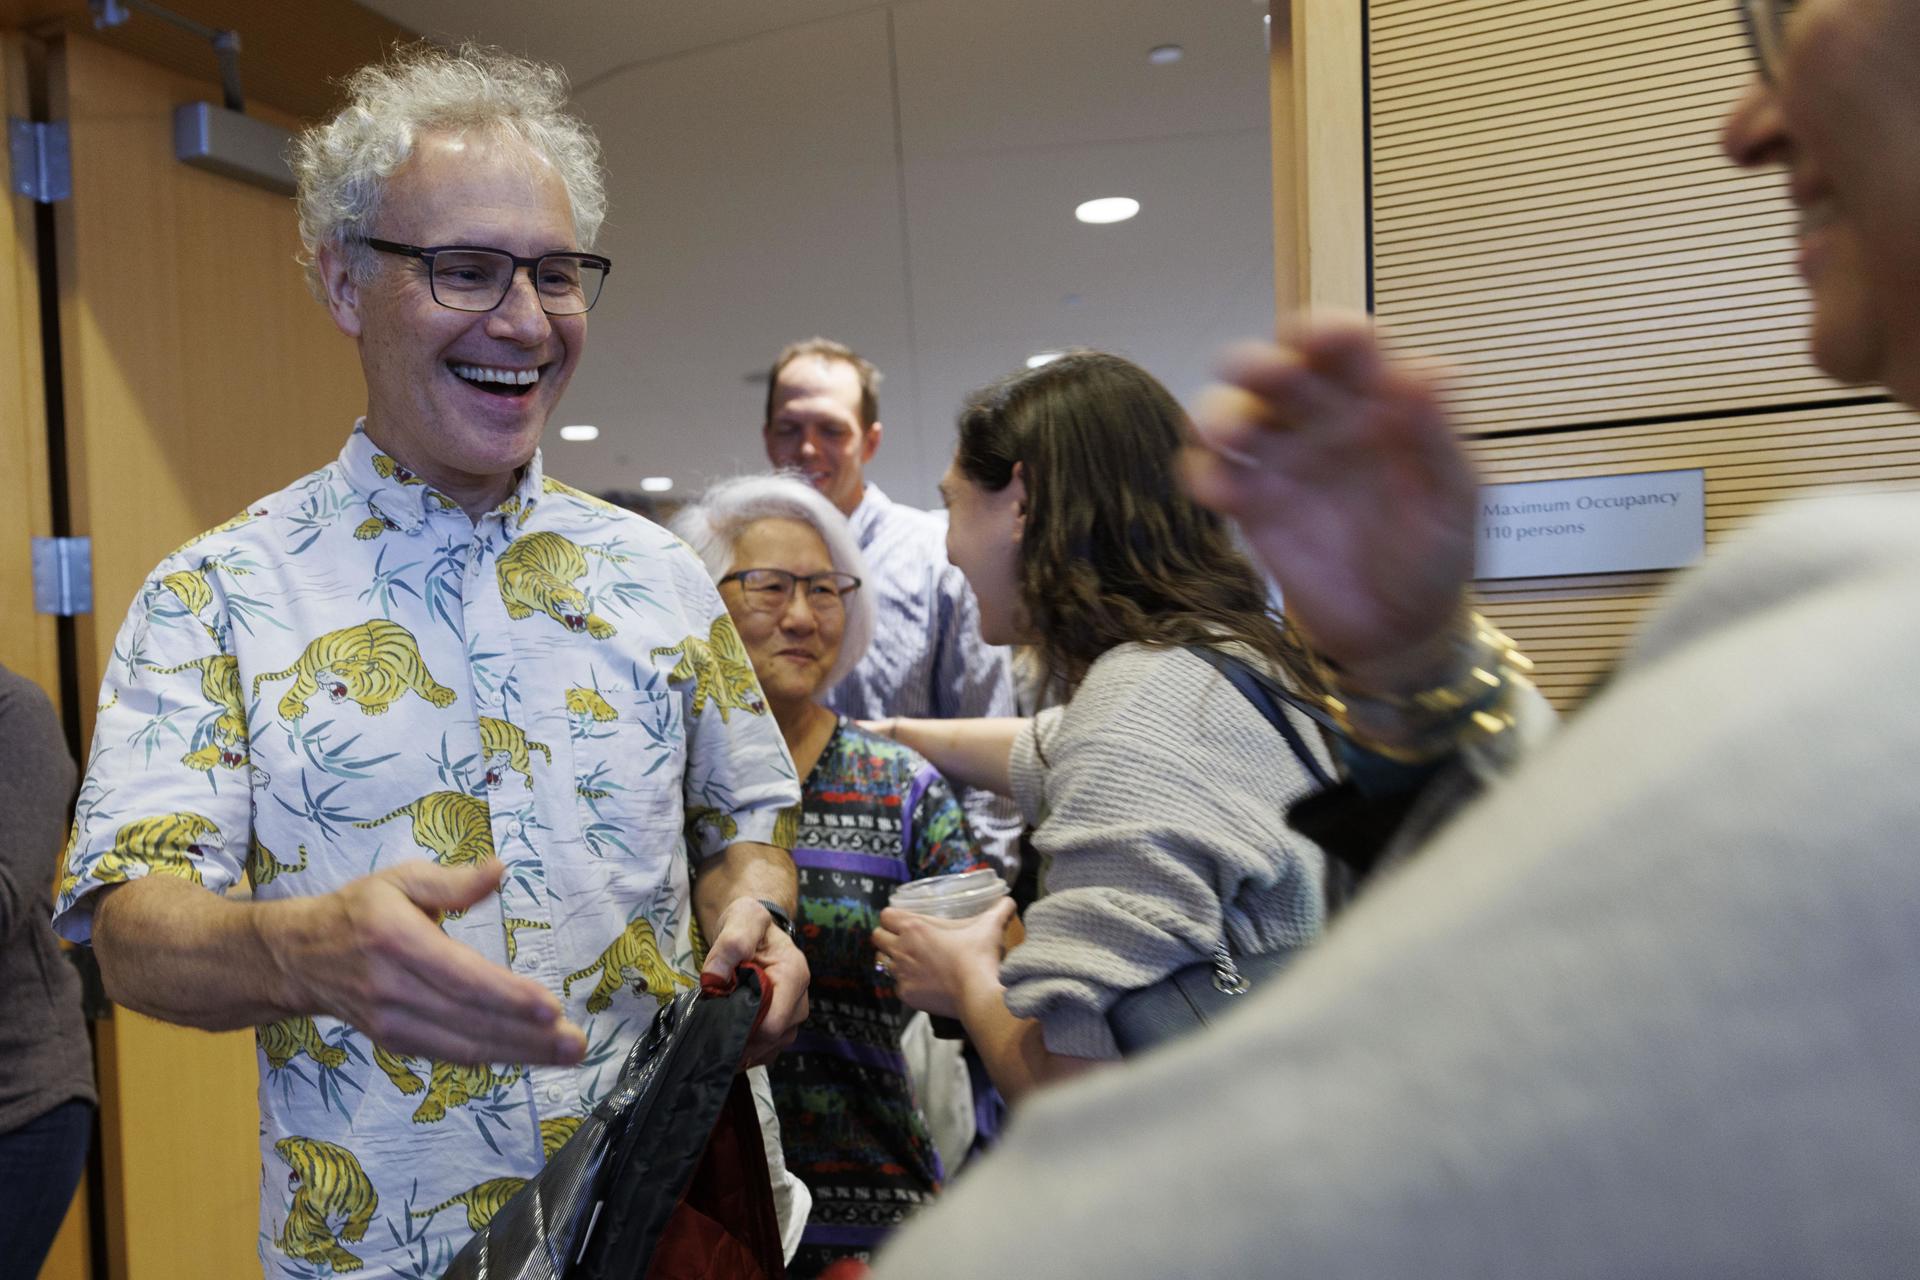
872	815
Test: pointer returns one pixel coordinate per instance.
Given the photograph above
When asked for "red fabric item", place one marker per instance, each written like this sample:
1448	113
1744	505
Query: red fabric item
724	1227
847	1269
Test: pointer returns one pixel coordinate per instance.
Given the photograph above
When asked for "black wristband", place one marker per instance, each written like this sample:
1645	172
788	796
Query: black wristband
781	918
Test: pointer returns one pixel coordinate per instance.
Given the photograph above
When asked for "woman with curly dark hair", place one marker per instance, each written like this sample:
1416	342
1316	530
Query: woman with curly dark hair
1158	792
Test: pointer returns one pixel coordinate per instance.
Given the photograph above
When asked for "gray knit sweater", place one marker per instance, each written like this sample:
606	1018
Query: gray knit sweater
45	1058
1158	794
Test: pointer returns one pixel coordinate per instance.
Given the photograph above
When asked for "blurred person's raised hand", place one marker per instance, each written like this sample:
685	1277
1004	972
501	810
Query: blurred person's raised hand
1343	472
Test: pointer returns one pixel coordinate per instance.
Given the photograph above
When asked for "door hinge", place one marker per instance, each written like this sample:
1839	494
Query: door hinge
41	159
63	576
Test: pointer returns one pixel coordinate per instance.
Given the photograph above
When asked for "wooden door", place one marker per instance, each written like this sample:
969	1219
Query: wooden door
198	375
27	642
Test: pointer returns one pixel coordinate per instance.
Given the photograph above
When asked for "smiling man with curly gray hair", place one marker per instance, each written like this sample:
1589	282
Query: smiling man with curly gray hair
562	778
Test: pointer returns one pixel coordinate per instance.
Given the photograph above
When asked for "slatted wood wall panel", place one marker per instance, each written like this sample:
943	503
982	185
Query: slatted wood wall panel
1554	222
1575	628
1552	216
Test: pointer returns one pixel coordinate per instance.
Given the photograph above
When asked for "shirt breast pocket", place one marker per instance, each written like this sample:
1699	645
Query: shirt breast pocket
631	755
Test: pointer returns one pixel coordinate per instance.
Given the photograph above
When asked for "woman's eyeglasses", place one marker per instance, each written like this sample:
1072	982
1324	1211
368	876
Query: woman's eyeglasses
770	590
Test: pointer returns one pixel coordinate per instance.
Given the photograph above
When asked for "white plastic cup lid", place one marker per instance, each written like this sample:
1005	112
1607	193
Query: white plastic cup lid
963	893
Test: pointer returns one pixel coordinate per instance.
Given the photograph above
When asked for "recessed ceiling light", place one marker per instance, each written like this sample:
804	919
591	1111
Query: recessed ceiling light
1042	357
1108	209
657	484
1162	55
580	433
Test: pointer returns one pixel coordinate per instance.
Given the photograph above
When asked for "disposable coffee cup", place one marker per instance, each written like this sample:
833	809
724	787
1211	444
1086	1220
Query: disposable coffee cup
950	897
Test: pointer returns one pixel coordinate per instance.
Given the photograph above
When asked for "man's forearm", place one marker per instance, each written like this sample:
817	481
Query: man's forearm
178	952
743	870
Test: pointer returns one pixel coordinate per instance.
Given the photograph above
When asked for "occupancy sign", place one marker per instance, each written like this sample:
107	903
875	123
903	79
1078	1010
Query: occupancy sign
1594	524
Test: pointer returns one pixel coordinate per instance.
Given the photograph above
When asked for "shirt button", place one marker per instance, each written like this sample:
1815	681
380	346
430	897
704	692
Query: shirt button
555	1093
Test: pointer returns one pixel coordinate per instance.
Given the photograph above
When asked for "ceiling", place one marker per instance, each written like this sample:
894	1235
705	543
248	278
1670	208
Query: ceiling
900	176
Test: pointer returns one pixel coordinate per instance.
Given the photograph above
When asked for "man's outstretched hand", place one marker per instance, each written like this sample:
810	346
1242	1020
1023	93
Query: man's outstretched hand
372	954
1344	473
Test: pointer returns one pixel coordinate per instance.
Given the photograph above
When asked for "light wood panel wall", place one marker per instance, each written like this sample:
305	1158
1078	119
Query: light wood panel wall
290	53
199	375
1576	628
1552	220
27	643
1320	248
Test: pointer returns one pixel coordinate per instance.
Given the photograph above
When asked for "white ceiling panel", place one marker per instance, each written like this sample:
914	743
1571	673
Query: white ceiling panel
901	176
1007	75
1002	271
755	200
592	38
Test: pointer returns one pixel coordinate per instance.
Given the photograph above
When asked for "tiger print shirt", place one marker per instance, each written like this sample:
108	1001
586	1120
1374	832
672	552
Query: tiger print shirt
351	674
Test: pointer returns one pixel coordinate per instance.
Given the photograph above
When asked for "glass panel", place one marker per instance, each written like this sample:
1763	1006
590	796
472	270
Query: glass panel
568	284
471	279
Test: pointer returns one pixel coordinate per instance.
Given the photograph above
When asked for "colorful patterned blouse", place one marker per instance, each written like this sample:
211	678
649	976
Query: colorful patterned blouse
848	1120
352	674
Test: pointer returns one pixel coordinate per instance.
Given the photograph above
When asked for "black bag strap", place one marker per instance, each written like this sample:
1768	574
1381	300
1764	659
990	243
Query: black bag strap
1270	699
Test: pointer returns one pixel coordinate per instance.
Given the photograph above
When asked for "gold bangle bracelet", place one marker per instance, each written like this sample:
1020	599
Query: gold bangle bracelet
1470	707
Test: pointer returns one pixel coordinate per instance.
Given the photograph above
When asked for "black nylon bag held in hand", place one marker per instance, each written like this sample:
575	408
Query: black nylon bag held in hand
666	1178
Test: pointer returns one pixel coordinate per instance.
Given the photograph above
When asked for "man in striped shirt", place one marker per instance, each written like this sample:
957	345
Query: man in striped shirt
927	658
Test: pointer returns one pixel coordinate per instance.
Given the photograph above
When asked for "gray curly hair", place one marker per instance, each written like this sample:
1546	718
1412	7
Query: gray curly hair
342	165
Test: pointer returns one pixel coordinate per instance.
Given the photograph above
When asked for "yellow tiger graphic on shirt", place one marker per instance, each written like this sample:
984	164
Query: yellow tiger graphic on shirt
283	1041
376	523
480	1202
504	745
329	1187
537	575
396	1069
263	868
722	824
719	668
167	845
372	664
388	469
555	1130
587	702
391	469
514	925
786	827
225	526
190	588
549	485
514	512
455	1084
633	957
451	825
220	685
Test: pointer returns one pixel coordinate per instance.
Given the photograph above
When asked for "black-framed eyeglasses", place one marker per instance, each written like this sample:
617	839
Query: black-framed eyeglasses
1766	24
769	590
473	277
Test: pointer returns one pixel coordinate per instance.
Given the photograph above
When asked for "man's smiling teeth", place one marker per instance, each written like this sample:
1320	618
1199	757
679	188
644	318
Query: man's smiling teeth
512	377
